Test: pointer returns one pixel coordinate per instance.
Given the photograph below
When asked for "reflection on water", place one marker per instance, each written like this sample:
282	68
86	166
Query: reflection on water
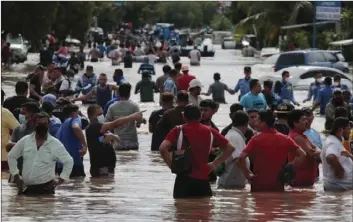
142	187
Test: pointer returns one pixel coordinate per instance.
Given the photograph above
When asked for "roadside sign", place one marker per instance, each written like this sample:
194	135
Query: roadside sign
120	3
326	10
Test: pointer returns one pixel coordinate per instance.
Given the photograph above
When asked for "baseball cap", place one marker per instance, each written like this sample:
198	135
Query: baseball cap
49	98
284	108
185	68
195	83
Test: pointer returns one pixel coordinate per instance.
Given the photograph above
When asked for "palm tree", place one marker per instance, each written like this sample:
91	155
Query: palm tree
268	17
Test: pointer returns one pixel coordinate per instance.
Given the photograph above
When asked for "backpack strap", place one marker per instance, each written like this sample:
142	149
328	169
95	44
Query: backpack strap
211	143
180	138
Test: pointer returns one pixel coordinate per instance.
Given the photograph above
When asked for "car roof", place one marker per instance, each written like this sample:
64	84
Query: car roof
301	69
308	50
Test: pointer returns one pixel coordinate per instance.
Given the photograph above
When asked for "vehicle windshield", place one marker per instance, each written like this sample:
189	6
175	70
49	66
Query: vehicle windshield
340	57
14	40
272	59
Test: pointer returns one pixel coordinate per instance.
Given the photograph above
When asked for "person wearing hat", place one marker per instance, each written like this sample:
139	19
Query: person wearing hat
51	98
337	83
35	83
195	56
146	87
243	84
195	91
323	96
281	112
184	79
86	84
217	89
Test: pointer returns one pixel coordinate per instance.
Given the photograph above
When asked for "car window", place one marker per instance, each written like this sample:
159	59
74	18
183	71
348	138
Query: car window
272	59
307	75
340	57
314	57
330	57
332	74
291	59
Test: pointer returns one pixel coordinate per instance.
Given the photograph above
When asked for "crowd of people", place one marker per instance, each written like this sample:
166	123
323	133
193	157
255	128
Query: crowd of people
269	143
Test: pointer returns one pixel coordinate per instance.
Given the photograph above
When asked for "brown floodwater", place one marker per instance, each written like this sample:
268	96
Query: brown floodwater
142	187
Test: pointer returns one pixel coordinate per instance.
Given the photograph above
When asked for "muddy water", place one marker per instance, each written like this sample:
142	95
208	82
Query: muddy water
142	187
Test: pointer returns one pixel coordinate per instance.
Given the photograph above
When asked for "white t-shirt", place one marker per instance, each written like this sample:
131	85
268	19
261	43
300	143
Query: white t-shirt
195	101
233	176
194	56
65	85
334	146
152	59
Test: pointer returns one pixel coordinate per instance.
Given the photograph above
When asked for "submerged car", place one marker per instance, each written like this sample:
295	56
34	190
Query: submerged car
302	76
228	43
311	57
19	47
206	49
266	67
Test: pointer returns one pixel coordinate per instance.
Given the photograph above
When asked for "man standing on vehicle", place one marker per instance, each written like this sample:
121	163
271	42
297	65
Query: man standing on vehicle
314	87
243	84
284	89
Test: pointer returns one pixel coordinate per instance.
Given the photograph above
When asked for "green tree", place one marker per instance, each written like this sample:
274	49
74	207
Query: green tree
31	19
73	18
221	23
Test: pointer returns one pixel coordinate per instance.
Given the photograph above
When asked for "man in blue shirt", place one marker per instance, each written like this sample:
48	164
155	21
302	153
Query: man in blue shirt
169	84
323	96
243	84
337	83
314	87
254	100
284	89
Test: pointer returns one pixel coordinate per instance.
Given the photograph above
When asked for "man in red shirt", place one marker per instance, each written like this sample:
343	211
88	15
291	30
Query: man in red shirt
268	151
184	79
200	141
306	170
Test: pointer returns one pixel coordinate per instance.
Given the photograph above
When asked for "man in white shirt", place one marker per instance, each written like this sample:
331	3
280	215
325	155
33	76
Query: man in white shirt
195	56
233	177
40	152
194	92
337	167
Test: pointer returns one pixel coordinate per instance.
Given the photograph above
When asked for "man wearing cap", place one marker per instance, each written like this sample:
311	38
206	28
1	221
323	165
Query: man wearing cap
282	118
243	84
35	82
195	91
86	84
146	87
217	89
184	80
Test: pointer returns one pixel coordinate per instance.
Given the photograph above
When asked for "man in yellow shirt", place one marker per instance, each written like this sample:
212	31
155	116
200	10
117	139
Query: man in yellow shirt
8	123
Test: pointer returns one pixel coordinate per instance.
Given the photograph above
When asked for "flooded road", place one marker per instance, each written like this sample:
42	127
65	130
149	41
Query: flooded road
142	187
